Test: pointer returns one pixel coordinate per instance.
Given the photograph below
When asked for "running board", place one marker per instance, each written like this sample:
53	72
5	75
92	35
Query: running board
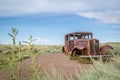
96	56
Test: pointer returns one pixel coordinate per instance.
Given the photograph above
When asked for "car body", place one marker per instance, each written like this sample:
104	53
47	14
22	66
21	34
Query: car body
82	43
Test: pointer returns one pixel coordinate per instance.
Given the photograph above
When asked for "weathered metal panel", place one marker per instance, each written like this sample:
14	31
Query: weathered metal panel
83	43
105	48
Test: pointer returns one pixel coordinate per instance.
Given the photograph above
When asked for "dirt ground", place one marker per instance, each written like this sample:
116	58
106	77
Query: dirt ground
60	62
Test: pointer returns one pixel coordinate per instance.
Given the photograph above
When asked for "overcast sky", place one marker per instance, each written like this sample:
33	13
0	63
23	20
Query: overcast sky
50	20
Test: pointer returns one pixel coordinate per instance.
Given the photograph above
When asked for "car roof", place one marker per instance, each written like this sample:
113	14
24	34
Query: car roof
82	33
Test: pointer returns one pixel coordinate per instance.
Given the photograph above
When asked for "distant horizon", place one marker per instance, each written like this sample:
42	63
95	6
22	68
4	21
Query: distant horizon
55	44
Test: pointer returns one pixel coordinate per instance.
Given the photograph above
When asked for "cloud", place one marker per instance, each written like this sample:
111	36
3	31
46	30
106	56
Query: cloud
20	7
40	40
37	41
106	17
116	27
107	11
114	32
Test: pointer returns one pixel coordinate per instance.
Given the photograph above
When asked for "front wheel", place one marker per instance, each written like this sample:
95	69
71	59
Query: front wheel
76	52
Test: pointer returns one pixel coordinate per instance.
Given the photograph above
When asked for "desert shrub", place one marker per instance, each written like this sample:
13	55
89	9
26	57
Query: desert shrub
3	61
1	50
103	71
100	71
116	51
49	49
54	76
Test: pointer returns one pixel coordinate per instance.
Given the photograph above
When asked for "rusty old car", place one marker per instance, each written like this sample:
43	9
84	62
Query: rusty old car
84	45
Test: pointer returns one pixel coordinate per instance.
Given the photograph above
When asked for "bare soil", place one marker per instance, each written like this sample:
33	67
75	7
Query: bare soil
60	62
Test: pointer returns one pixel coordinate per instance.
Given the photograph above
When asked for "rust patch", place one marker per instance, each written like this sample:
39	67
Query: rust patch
105	48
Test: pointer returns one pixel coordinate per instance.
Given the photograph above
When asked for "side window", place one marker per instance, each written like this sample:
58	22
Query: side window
71	38
85	37
76	37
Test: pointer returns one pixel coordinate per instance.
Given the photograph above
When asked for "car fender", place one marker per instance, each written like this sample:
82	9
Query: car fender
78	47
105	48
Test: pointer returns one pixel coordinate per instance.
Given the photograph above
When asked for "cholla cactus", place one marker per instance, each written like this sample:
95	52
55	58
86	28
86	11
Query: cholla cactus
13	35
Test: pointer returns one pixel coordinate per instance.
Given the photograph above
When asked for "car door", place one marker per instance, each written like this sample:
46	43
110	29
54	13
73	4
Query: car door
71	42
